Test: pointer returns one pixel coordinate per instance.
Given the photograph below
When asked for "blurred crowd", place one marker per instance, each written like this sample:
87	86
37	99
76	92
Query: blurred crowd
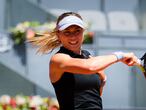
21	102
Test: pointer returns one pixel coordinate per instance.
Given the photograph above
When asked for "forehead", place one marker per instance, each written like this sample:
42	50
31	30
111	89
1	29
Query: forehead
73	27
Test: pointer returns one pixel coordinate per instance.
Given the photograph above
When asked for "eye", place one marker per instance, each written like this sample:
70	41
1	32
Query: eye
66	33
77	31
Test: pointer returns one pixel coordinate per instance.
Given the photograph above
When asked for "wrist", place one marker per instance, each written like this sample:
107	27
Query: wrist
119	55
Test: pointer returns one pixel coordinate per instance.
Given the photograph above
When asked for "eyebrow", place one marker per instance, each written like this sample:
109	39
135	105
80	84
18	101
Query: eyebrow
74	28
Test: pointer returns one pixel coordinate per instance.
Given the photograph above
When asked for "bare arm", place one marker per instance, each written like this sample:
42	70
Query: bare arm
65	63
61	63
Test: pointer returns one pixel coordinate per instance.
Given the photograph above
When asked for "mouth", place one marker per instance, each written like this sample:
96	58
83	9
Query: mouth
73	42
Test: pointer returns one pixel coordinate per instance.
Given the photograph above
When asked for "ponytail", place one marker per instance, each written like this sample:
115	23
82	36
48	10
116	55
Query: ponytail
49	41
46	42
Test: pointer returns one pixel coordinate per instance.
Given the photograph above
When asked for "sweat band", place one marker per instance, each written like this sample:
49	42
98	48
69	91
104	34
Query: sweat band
119	55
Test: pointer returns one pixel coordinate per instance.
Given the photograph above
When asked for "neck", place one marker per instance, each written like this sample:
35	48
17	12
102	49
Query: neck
77	51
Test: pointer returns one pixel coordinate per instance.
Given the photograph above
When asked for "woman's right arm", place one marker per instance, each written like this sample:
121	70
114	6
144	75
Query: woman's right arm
61	63
65	63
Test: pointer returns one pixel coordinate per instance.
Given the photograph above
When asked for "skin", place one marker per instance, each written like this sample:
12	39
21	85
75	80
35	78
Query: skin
71	41
61	63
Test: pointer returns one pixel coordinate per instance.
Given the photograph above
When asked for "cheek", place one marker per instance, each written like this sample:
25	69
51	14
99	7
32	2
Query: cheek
82	38
62	39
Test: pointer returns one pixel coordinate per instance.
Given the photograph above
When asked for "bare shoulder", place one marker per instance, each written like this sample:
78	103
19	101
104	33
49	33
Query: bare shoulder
58	60
55	66
59	57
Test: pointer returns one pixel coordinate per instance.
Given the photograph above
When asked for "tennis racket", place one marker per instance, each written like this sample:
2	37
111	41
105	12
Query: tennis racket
142	64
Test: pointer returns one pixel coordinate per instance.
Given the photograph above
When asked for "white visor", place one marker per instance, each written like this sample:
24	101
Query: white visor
68	21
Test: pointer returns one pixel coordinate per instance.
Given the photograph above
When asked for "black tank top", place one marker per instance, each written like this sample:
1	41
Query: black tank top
78	91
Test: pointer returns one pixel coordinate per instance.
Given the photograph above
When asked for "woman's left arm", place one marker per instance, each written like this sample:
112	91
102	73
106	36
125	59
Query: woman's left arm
103	82
103	79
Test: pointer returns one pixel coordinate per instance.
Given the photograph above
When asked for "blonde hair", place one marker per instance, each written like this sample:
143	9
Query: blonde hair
49	41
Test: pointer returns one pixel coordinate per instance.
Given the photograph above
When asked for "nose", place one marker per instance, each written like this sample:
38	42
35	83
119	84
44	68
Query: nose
72	37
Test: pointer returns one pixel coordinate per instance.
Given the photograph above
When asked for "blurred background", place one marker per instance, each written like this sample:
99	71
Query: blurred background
112	25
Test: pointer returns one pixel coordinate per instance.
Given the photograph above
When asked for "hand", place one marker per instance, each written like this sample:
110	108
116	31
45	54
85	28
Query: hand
103	82
103	78
129	59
